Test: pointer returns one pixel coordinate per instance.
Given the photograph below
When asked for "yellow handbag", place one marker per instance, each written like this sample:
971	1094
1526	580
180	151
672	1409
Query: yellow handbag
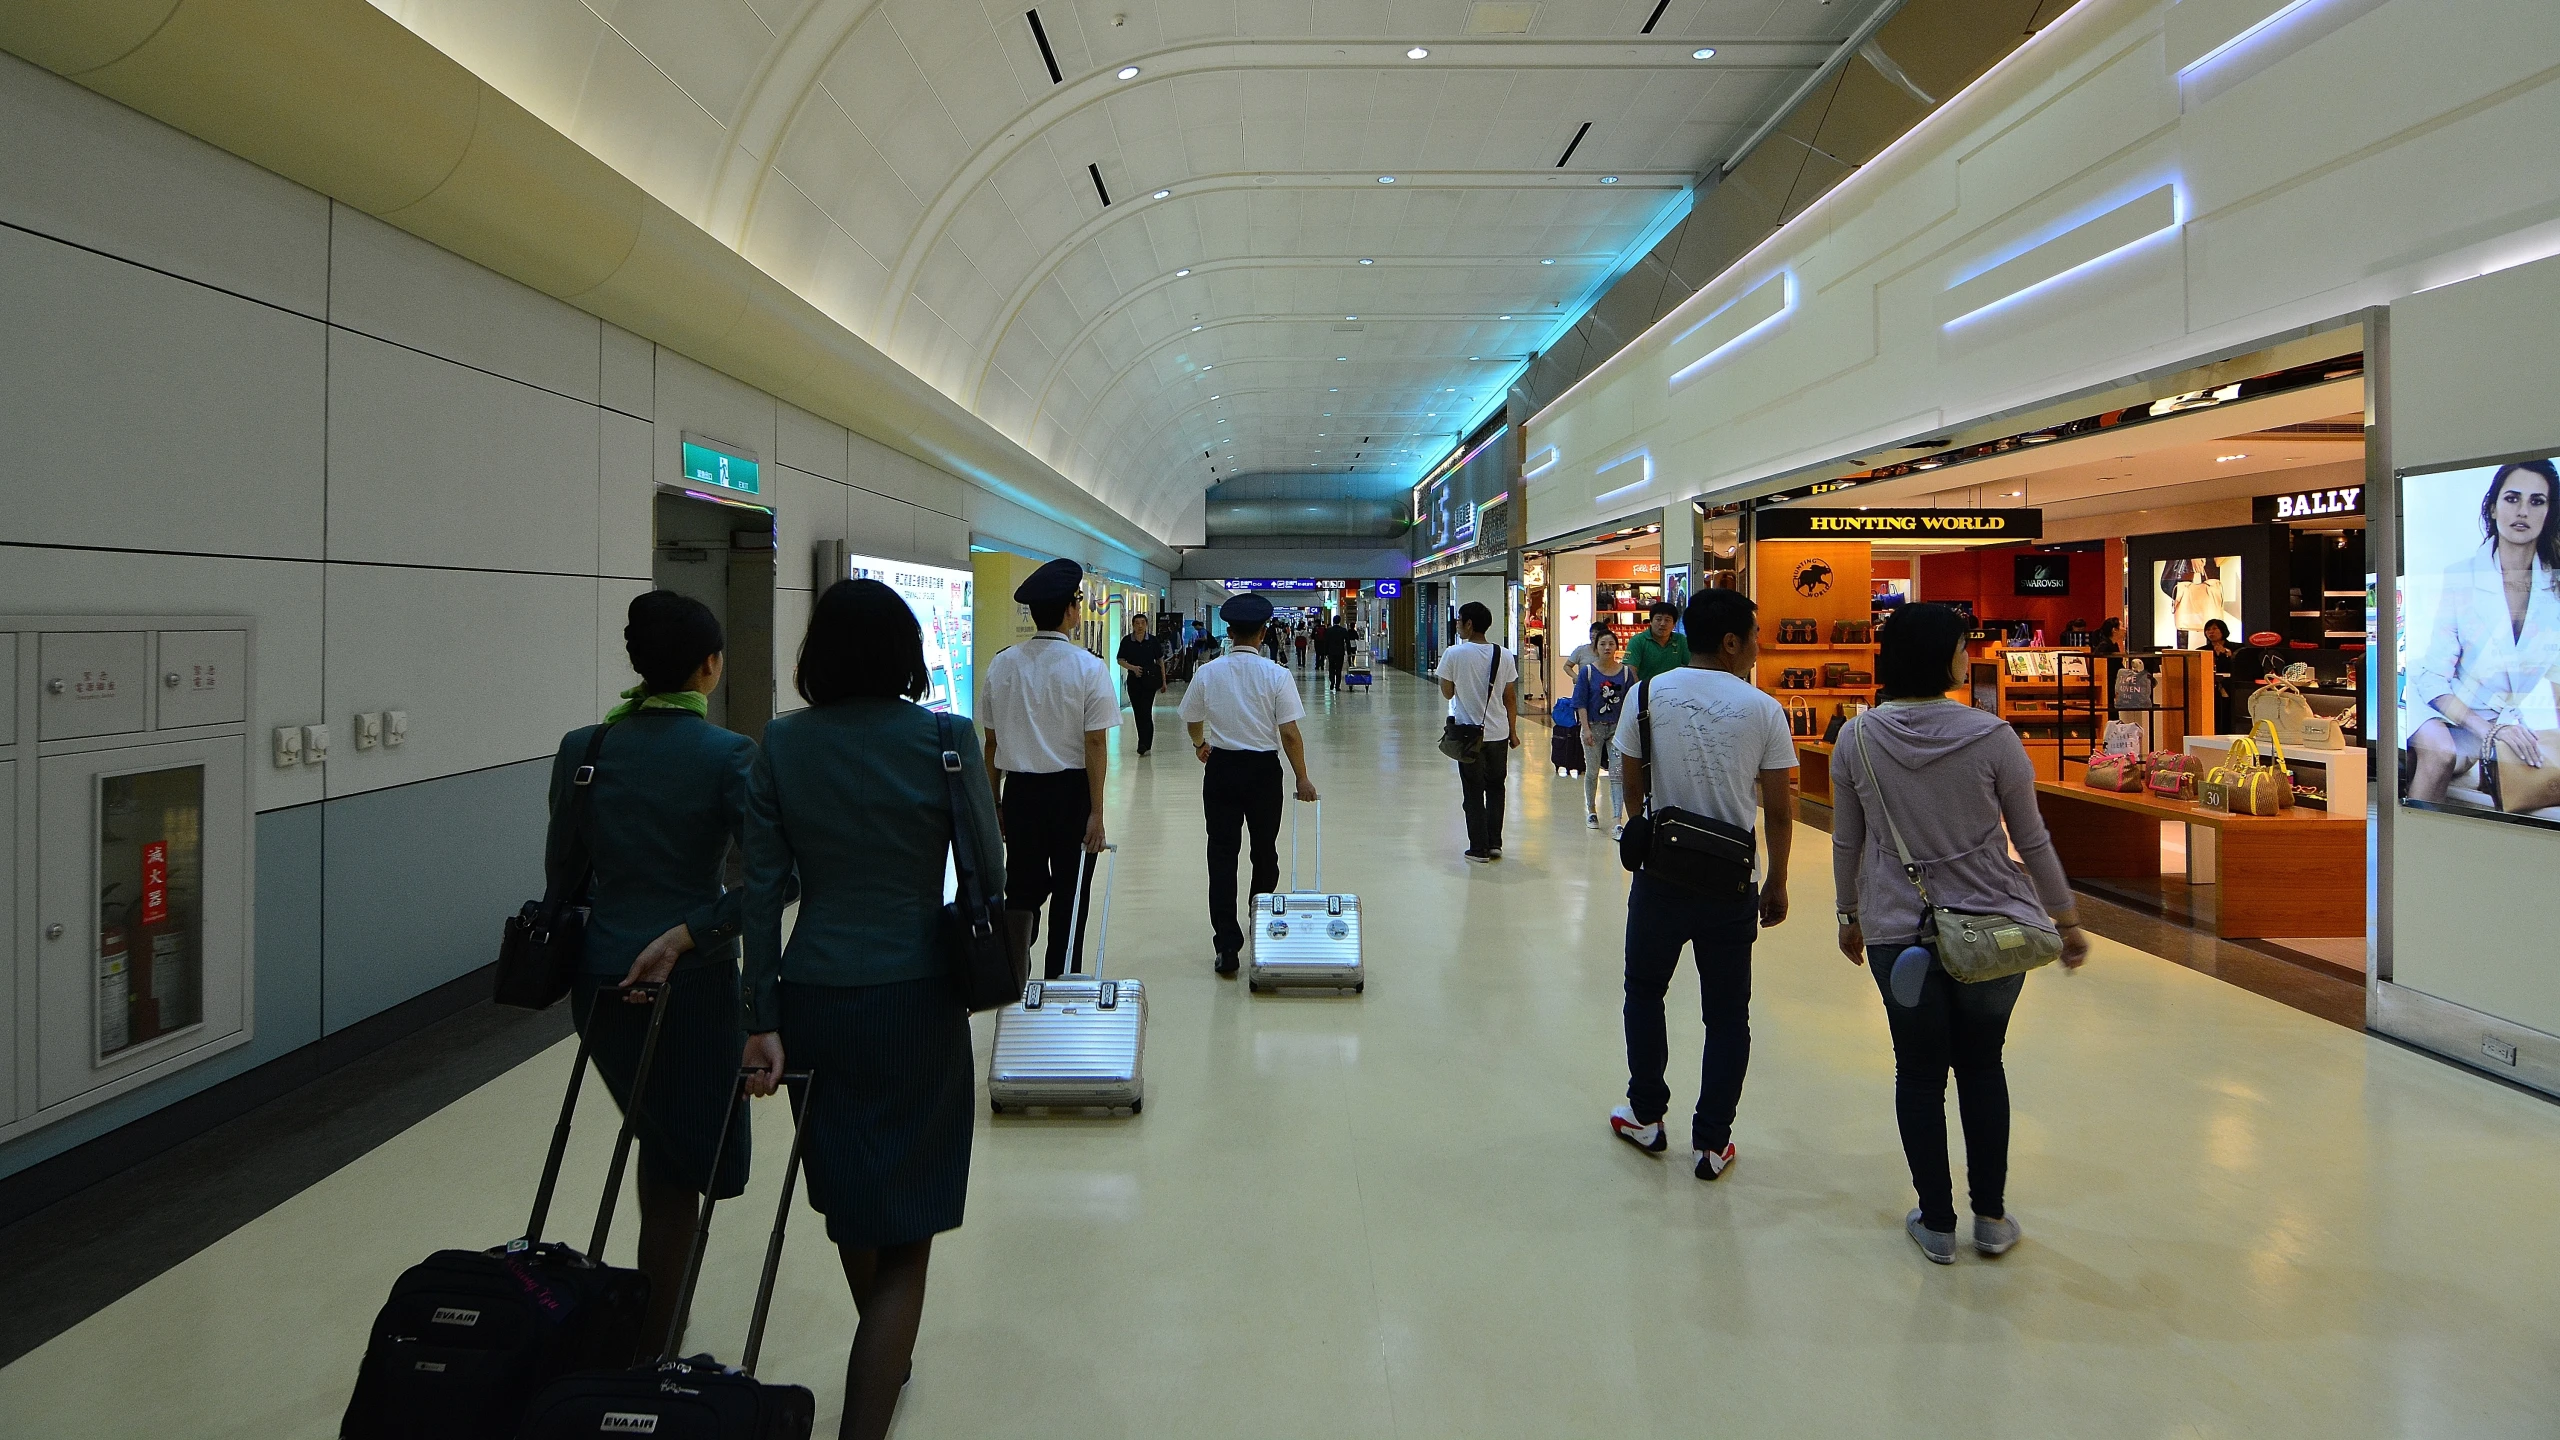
2267	787
2215	792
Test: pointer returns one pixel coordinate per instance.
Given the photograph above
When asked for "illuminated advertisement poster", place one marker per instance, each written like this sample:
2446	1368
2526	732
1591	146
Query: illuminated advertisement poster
2479	671
2193	594
942	601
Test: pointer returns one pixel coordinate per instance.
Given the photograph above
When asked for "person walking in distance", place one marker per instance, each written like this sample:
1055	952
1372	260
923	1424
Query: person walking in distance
1599	697
1481	682
1142	665
1298	642
1243	711
1337	651
1050	711
1702	746
1659	647
1957	783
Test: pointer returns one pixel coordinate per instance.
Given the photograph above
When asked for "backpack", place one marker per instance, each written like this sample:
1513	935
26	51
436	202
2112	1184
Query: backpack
1568	714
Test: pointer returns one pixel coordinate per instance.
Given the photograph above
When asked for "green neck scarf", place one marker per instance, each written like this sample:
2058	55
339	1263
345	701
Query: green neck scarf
692	702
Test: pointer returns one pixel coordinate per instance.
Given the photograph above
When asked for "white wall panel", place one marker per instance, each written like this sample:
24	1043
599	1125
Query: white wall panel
491	668
629	373
805	442
807	509
79	167
147	412
613	663
695	398
942	540
879	525
626	520
790	621
391	284
284	595
433	463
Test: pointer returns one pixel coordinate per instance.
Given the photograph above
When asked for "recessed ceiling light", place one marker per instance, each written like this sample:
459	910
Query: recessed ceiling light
1475	357
2227	459
1128	72
1213	397
1703	52
1164	194
1386	179
1430	414
1506	317
1608	179
1546	262
1333	392
1222	420
1206	368
1328	414
1417	53
1341	357
2017	494
1350	317
1195	329
1368	262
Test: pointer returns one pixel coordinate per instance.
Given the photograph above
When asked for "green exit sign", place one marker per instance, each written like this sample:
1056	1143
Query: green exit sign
706	464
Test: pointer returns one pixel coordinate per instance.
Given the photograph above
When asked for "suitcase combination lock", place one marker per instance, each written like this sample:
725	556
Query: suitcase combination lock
1338	929
1278	928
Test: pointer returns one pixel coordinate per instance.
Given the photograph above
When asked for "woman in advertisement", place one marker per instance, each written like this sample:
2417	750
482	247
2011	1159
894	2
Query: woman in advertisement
2496	638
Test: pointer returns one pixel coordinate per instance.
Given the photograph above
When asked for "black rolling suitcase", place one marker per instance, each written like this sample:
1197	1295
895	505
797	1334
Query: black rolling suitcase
696	1398
469	1336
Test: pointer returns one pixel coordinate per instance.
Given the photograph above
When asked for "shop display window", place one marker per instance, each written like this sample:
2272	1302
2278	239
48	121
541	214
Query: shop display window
2193	593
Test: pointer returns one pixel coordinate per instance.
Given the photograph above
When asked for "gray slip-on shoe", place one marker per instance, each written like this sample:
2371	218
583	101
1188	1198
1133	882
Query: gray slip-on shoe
1941	1249
1995	1237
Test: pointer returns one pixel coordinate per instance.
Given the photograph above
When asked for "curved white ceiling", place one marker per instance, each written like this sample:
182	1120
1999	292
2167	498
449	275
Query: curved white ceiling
909	167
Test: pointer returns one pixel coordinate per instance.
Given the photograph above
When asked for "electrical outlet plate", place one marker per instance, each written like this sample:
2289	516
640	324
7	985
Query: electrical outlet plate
315	744
395	726
368	729
288	742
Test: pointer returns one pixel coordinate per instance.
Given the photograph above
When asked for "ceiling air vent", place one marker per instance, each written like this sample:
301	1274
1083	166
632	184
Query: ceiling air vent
1650	20
1503	17
1049	57
1096	172
1576	145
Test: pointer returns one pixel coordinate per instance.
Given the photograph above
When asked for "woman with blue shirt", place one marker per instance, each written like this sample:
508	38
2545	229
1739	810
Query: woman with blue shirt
668	797
850	795
1599	693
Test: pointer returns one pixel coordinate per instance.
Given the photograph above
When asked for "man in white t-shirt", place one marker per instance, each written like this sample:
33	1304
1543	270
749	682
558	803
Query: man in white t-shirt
1050	709
1481	682
1243	710
1702	739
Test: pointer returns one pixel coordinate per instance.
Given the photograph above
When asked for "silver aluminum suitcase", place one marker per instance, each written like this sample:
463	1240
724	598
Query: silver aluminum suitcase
1306	938
1075	1043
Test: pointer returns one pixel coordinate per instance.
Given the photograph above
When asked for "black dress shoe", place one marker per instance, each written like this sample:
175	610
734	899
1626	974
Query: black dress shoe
1226	963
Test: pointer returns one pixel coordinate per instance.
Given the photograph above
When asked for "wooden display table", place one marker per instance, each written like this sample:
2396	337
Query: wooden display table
1813	770
2300	873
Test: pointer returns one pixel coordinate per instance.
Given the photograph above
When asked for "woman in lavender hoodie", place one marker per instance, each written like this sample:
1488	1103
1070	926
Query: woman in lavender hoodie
1951	776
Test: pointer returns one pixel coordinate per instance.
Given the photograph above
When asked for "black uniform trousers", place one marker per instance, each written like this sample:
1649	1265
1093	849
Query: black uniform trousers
1142	704
1044	822
1480	794
1240	790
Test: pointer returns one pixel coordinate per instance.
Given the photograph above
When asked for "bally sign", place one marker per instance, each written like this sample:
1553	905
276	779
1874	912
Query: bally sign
1889	523
2311	504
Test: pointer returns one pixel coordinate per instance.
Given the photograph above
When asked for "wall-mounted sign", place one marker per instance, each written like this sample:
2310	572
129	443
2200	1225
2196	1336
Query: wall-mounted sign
2043	575
2311	504
707	462
1237	585
1387	589
1890	523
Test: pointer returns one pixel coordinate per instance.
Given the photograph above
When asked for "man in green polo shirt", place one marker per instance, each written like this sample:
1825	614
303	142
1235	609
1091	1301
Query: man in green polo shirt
1659	646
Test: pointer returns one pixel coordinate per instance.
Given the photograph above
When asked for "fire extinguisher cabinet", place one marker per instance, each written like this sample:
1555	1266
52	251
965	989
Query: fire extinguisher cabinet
125	836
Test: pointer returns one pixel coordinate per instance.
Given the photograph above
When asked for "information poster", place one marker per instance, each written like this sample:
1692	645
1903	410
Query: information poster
2479	671
942	600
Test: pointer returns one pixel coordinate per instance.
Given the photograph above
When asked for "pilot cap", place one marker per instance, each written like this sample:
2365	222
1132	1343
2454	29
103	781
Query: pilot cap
1248	610
1055	581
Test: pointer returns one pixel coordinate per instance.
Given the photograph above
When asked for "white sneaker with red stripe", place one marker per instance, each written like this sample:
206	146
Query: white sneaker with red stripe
1647	1138
1713	1163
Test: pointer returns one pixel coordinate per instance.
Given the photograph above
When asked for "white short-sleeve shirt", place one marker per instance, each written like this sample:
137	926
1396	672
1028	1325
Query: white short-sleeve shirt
1242	699
1042	696
1717	732
1478	700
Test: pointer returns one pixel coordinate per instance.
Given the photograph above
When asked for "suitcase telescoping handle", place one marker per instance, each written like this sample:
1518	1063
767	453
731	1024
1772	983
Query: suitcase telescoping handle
1084	903
702	1228
1318	807
569	1109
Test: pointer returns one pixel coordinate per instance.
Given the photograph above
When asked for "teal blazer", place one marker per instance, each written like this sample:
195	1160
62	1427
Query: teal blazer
670	795
851	799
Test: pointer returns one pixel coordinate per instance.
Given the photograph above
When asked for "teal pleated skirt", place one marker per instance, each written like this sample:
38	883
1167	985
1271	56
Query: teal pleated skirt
891	1102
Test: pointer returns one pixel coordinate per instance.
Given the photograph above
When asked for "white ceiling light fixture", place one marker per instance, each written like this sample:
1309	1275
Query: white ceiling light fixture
1164	194
2227	459
1386	179
1128	72
1350	317
1542	262
1506	317
1178	274
1703	52
1368	262
1608	179
1417	53
1195	329
1341	357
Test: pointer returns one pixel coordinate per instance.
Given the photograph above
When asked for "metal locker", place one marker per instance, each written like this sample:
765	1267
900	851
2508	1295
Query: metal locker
204	678
93	683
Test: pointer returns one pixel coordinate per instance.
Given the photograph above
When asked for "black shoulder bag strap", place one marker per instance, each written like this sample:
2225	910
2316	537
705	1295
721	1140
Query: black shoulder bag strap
964	831
582	850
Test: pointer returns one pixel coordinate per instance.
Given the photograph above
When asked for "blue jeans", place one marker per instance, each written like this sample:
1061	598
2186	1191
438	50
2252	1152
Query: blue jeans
1956	1027
1662	917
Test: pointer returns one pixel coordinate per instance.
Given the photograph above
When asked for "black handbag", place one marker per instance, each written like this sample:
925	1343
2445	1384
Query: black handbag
987	969
1693	851
539	954
1465	743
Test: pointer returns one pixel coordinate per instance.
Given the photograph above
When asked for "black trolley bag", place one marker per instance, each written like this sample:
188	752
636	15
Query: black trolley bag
469	1336
696	1398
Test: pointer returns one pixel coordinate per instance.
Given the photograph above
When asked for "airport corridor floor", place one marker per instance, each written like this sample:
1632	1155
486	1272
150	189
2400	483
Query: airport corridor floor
1402	1214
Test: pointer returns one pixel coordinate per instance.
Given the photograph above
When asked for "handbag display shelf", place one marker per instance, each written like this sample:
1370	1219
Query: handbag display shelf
2061	700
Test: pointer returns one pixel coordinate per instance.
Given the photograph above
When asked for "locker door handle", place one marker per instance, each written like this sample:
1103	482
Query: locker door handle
53	932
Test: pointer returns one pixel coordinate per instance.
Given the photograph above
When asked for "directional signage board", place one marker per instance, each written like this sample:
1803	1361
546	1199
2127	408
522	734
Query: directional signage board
725	467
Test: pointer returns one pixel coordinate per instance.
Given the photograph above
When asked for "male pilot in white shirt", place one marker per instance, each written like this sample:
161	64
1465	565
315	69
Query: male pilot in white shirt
1242	710
1050	707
